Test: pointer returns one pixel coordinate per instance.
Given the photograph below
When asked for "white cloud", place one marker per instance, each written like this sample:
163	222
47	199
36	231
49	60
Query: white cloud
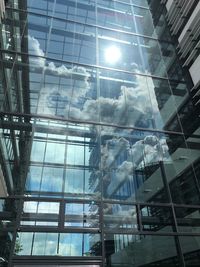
34	48
132	105
78	75
112	149
149	150
125	171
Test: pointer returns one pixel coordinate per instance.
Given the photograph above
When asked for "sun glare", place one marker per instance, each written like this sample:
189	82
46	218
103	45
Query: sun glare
112	54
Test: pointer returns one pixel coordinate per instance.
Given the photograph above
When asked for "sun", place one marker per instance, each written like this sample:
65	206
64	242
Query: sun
112	54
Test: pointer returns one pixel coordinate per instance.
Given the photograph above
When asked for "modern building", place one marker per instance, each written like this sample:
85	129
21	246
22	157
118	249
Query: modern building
100	133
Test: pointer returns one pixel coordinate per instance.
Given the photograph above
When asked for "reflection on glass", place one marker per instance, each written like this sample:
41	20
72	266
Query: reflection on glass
112	54
38	150
186	187
40	213
82	215
131	166
188	219
23	244
100	62
45	244
140	250
117	216
191	250
75	155
52	179
157	219
80	181
66	244
55	153
45	179
79	245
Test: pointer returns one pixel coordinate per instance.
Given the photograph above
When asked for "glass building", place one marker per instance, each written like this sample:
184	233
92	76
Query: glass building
100	138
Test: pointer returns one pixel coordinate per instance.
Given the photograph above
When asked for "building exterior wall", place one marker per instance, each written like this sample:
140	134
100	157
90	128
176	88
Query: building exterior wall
184	19
100	134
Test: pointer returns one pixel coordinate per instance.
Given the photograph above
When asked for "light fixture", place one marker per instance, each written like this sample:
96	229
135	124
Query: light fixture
112	54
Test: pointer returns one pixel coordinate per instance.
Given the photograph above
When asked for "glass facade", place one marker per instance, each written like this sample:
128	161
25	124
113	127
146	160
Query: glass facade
99	137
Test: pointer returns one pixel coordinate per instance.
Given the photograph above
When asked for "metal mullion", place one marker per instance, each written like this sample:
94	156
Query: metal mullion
139	217
51	229
39	229
87	201
186	206
15	231
33	239
64	260
92	25
138	203
82	34
175	227
62	58
61	215
91	66
58	243
64	168
47	117
101	204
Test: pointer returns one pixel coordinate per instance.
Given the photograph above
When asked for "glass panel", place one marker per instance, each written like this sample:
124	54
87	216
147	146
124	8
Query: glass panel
165	97
191	250
75	155
120	51
143	21
38	150
40	213
79	182
184	188
34	178
143	3
157	219
55	153
41	207
178	171
188	219
71	159
131	165
82	215
150	102
46	7
71	244
118	216
152	59
23	244
44	179
45	244
52	179
72	42
121	250
80	11
120	17
135	100
126	100
124	17
79	245
174	71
